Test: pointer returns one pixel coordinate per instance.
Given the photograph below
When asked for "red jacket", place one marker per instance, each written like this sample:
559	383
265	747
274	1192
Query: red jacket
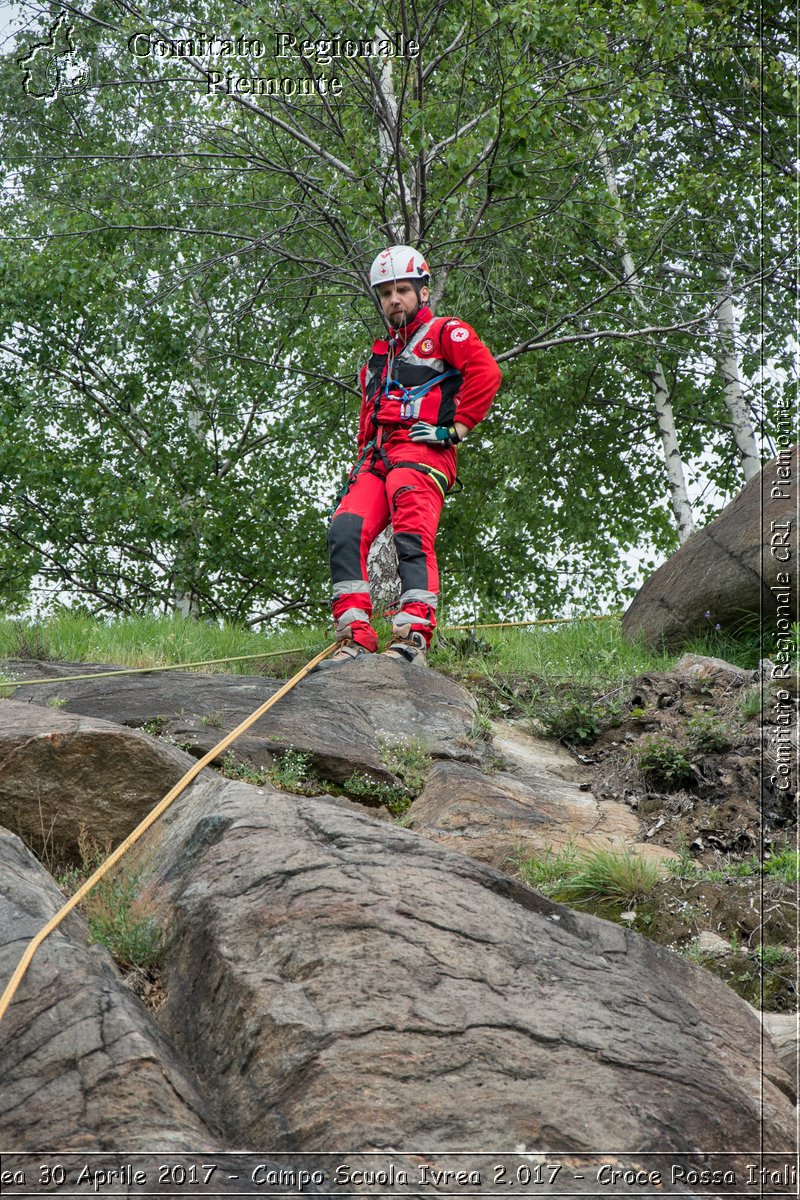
420	353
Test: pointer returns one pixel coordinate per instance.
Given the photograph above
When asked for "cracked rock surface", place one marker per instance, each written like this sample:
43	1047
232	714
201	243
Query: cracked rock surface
340	717
83	1066
332	980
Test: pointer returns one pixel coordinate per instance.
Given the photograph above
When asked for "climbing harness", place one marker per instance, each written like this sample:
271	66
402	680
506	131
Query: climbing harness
411	397
144	825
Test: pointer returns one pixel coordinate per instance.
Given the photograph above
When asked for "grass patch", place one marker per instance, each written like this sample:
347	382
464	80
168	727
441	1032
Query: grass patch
116	916
586	655
599	880
154	641
781	865
582	652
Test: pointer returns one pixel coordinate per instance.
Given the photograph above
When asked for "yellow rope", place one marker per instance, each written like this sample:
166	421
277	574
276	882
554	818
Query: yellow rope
194	770
206	662
144	825
547	621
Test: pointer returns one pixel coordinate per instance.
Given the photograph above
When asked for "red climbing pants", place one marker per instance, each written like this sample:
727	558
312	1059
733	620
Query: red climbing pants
390	485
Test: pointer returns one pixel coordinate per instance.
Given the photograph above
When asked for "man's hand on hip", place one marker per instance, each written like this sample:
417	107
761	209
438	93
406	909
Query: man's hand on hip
435	435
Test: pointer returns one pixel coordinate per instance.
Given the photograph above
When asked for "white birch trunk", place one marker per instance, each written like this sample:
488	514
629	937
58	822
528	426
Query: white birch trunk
734	398
184	600
676	479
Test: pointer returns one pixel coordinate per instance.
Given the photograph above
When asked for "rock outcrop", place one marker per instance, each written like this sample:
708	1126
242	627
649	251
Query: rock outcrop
61	774
332	980
730	568
536	798
83	1066
317	953
339	717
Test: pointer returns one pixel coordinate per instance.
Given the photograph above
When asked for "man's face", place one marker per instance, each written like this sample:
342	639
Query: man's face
400	302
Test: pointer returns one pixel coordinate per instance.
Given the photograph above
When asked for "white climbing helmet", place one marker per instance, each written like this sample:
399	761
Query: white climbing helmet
399	262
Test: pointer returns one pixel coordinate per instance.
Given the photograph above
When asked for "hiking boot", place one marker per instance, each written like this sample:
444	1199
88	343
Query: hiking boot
410	646
347	650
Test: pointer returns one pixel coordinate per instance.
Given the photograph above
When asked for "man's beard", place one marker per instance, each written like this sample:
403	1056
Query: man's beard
404	318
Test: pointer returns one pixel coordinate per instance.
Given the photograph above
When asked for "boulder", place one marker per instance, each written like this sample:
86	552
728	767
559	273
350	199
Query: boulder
784	1032
318	954
732	569
538	800
340	715
62	775
83	1065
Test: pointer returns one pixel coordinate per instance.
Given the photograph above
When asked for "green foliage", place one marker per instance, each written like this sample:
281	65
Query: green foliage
245	771
596	879
118	919
176	396
410	760
781	865
291	772
663	764
784	865
576	718
707	734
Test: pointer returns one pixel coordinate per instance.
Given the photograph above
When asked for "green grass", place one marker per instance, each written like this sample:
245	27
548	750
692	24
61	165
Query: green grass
115	914
781	865
596	879
584	653
152	641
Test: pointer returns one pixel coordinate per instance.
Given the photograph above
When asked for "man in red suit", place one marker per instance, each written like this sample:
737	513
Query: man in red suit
428	382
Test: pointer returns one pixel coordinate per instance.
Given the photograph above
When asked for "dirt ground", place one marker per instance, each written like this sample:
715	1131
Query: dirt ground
706	756
696	756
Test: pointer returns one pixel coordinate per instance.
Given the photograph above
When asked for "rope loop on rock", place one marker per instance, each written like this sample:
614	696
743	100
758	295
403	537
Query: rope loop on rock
144	825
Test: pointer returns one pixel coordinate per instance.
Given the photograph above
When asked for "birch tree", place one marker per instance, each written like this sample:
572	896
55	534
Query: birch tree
143	418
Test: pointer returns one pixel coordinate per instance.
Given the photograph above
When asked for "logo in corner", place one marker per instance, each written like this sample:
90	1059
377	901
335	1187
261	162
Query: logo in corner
50	68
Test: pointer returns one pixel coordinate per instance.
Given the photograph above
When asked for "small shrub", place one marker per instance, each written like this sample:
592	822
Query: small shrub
772	957
663	764
155	726
290	773
396	798
410	761
684	866
244	771
707	735
115	917
784	865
